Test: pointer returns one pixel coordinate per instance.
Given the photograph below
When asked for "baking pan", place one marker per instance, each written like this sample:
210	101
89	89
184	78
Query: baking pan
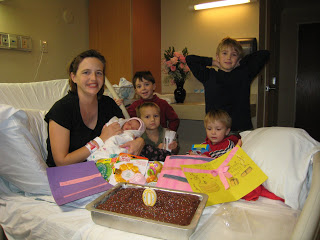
144	226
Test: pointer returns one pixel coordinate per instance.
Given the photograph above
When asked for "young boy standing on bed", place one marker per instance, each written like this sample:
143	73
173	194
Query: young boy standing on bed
228	88
144	85
218	125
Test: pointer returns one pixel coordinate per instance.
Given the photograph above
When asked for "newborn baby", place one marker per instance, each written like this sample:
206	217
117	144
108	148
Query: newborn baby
132	128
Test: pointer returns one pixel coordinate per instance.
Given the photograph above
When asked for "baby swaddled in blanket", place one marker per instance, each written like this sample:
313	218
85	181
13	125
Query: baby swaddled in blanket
132	128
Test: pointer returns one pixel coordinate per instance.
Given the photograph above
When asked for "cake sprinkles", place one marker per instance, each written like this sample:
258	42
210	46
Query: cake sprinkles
170	207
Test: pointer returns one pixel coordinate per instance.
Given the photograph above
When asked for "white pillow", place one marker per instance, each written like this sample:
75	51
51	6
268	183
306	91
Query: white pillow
20	154
38	129
284	154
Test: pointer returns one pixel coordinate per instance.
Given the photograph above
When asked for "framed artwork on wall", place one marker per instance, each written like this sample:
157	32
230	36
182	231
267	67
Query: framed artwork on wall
249	45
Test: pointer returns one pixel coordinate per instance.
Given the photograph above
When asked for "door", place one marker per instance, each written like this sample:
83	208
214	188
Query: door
128	34
267	109
299	67
308	80
289	87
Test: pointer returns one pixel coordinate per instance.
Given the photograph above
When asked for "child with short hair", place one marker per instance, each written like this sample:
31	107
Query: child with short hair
229	87
144	85
154	135
218	125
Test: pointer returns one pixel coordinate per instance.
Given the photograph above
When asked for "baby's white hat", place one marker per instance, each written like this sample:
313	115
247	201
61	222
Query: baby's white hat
121	121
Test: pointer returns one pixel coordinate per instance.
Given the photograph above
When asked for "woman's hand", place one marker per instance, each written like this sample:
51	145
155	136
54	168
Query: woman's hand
109	131
135	146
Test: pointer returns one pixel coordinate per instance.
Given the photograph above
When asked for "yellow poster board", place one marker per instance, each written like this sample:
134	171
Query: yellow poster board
227	178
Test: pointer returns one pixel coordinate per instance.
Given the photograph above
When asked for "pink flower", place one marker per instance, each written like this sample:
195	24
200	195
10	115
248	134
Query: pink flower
177	54
175	64
182	59
168	63
186	68
174	60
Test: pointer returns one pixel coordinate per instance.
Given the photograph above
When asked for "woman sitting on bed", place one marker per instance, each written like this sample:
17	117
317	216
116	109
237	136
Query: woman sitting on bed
76	123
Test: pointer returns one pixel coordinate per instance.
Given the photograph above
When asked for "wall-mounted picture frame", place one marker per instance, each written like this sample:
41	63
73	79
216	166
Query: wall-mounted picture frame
249	45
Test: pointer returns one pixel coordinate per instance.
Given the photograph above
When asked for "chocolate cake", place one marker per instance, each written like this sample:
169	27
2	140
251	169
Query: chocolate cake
176	208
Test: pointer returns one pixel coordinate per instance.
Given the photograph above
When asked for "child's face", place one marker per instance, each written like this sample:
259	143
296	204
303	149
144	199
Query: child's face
151	117
228	58
216	131
131	125
145	88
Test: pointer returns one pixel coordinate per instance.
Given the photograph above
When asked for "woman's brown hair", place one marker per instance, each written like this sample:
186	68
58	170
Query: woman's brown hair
74	65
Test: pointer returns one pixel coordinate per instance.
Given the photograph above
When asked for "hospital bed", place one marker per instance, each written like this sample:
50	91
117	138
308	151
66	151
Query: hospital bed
289	157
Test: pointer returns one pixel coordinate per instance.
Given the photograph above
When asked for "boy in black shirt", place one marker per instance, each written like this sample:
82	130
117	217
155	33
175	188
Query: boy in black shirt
229	87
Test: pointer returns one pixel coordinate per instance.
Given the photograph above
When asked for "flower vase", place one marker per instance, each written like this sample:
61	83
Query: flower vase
179	92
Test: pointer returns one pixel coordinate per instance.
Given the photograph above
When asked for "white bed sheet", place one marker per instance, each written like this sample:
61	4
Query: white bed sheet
39	217
242	220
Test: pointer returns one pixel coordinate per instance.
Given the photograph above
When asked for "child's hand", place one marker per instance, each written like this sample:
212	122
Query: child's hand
239	142
118	101
173	145
215	63
160	146
193	153
238	63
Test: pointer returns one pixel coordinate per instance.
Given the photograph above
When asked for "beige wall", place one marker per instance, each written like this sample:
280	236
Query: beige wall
42	20
201	31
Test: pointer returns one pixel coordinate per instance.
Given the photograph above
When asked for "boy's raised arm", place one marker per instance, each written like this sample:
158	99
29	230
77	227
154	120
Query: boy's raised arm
198	66
255	61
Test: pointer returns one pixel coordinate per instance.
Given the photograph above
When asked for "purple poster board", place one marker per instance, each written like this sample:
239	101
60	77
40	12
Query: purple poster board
72	182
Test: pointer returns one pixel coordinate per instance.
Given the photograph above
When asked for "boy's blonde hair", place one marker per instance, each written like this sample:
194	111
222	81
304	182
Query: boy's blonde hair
230	42
218	115
145	105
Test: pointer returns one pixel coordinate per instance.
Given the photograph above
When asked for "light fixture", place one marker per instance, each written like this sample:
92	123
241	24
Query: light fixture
222	3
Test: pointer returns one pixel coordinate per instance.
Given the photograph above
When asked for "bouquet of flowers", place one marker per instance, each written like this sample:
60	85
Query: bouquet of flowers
175	64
